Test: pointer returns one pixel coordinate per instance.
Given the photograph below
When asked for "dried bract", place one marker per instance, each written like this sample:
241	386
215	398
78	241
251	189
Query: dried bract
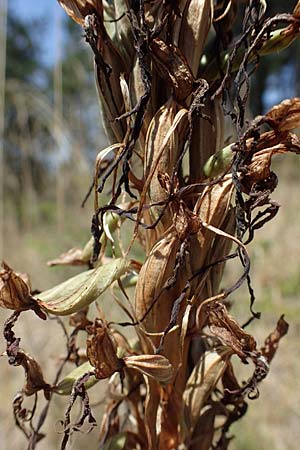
154	366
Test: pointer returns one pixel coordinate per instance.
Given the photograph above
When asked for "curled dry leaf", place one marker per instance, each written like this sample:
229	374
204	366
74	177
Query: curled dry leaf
34	376
86	415
258	172
222	325
17	357
34	379
282	118
272	341
286	115
102	350
83	289
154	366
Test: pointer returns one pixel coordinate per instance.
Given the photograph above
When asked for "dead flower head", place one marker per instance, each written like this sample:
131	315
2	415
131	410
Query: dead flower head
15	292
101	350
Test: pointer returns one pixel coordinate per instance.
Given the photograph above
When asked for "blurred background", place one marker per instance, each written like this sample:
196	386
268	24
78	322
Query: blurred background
50	133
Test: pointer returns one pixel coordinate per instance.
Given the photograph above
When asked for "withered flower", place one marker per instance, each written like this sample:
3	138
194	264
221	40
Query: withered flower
15	292
34	377
222	325
286	115
102	354
101	350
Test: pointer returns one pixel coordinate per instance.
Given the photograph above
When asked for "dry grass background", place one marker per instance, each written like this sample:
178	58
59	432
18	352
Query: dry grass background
272	421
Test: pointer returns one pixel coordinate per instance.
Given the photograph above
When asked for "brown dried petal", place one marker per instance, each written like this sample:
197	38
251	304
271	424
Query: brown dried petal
14	291
286	115
72	257
272	341
101	351
229	332
34	376
259	169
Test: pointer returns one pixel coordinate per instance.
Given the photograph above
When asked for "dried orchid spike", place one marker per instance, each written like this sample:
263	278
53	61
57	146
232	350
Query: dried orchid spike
162	70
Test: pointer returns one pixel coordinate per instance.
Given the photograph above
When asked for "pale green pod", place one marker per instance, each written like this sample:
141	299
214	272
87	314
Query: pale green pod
219	162
277	42
116	442
64	387
80	291
88	250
